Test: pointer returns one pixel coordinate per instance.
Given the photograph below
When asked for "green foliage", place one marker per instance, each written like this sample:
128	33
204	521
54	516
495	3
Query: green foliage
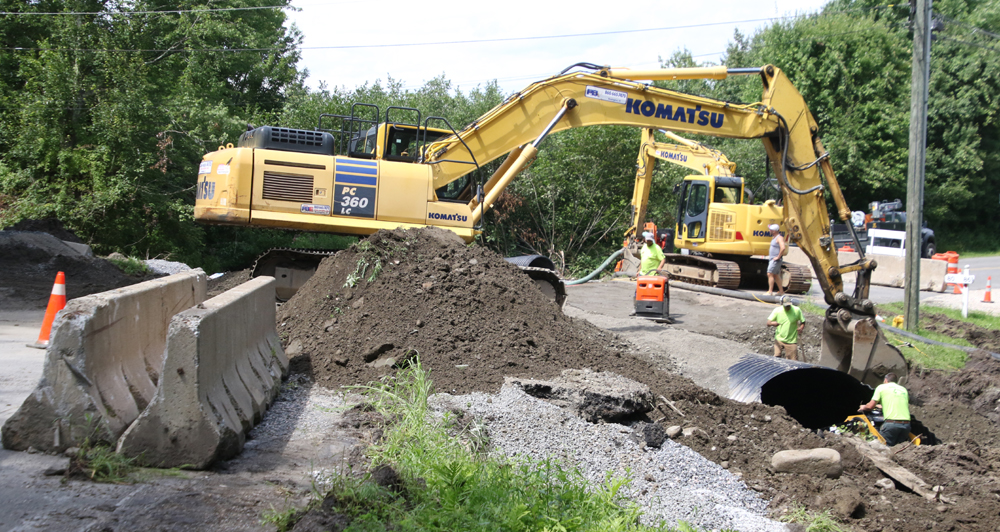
282	520
130	265
105	137
96	458
373	256
852	65
450	483
102	464
813	521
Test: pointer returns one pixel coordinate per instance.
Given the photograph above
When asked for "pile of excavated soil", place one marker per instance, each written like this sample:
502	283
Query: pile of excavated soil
978	336
30	261
474	319
470	316
228	281
962	406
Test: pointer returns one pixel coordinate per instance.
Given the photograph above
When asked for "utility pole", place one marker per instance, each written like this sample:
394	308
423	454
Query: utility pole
921	11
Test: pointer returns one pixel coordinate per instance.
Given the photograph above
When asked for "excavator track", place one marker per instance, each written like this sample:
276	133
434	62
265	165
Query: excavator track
799	278
732	274
696	269
289	267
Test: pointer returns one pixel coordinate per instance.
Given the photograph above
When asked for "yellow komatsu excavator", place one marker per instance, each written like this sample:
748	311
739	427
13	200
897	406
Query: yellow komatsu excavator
296	179
716	221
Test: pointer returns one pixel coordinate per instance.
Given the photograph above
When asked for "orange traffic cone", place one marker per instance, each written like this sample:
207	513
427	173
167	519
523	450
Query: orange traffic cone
989	282
57	301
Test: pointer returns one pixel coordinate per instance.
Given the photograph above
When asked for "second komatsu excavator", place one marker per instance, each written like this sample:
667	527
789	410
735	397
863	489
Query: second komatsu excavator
717	223
299	179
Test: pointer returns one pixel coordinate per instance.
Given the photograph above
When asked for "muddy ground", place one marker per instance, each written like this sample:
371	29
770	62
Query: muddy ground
473	319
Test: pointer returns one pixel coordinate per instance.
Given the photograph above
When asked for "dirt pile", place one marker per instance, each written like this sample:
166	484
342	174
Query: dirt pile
30	260
962	406
471	317
978	336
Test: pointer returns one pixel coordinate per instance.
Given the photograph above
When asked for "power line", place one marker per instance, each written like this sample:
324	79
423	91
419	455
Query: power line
945	37
974	29
130	13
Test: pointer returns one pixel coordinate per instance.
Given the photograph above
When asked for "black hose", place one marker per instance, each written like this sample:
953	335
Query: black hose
731	293
919	338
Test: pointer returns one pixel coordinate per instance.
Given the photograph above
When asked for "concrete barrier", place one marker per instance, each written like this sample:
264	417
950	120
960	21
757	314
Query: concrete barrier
890	270
223	367
103	363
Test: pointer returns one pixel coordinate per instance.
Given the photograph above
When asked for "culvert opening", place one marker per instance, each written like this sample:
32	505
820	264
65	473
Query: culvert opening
816	397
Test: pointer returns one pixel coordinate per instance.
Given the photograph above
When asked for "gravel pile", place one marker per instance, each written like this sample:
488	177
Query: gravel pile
166	267
672	483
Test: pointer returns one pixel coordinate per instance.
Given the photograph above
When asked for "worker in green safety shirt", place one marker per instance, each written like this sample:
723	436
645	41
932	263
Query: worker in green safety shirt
651	256
789	322
895	401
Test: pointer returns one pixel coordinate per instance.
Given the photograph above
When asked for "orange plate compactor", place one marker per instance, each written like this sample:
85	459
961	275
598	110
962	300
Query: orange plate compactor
652	297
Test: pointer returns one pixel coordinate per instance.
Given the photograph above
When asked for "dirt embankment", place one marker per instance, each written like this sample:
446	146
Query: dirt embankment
31	258
474	319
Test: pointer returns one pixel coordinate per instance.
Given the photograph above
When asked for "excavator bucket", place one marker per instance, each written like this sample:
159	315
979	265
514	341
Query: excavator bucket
859	349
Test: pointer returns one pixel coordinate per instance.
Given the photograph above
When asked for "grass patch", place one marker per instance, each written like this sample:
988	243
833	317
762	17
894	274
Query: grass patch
982	319
813	521
130	266
808	307
935	356
100	463
447	480
929	356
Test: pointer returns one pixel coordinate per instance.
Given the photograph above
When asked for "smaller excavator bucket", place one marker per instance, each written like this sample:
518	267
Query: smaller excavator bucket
859	349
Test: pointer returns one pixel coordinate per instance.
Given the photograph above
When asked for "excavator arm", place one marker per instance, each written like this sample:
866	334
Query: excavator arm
612	96
853	343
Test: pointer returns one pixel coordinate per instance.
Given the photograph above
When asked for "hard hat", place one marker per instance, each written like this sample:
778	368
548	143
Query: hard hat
786	301
648	236
774	227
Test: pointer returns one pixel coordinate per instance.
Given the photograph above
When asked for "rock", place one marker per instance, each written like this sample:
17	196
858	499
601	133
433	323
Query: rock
55	471
731	437
767	419
724	464
294	348
695	431
593	395
71	451
885	483
673	431
816	462
845	502
651	434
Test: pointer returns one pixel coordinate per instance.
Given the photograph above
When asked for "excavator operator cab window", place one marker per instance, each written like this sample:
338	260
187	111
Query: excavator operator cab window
403	143
697	197
696	209
728	190
364	146
459	190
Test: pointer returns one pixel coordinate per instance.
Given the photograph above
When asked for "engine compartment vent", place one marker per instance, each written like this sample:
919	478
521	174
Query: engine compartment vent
297	188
